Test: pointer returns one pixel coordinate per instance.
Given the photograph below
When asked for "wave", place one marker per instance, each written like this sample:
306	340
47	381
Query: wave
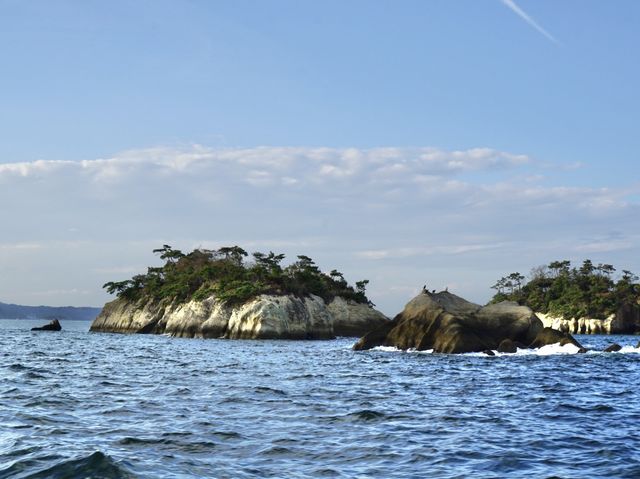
366	415
96	466
628	349
393	349
548	350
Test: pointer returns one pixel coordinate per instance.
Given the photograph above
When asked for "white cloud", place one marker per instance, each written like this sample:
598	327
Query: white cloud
449	250
20	246
398	216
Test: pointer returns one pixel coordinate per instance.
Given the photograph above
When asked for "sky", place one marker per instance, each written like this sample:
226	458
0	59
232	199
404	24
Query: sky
444	143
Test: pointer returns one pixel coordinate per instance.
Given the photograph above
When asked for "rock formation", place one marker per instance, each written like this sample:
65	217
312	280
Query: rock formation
264	317
447	323
52	326
612	348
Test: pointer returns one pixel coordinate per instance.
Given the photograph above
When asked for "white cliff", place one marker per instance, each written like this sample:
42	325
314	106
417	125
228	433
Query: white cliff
611	325
264	317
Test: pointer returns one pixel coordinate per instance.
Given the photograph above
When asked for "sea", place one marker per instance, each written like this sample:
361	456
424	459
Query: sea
75	404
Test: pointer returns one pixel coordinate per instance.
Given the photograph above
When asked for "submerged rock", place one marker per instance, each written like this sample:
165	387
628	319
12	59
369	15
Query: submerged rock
448	323
613	348
264	317
51	326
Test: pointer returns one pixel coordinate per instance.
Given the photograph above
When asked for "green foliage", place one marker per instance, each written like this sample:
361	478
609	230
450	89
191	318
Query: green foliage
224	273
559	289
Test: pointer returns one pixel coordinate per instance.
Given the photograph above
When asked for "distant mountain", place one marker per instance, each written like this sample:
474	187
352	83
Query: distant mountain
16	311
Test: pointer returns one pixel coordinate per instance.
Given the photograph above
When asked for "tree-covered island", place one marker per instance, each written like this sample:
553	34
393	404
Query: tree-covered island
226	274
558	289
227	294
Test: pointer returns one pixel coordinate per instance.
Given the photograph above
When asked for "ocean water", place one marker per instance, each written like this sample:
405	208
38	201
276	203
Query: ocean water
79	404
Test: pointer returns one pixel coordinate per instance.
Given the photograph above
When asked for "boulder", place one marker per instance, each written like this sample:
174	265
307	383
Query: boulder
552	336
448	323
612	348
52	326
509	346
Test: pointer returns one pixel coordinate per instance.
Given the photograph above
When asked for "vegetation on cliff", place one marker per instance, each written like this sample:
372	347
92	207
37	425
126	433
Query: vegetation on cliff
226	274
569	292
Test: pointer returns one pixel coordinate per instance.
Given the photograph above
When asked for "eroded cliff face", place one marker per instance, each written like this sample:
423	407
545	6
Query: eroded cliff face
625	321
579	326
265	317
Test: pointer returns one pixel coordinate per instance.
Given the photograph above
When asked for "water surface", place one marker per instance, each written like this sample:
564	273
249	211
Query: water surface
79	404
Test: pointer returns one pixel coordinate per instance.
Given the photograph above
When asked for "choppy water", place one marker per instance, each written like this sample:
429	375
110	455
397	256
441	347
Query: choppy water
79	404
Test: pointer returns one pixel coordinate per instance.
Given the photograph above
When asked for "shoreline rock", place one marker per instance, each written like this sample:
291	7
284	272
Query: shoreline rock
448	323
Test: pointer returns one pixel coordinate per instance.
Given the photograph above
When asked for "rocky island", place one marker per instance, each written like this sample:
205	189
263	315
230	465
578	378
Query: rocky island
446	323
579	300
217	294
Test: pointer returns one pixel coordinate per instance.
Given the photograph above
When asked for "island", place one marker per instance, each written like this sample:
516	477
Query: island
221	294
579	300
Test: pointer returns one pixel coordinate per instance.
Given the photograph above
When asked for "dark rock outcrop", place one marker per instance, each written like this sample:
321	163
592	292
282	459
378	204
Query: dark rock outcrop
447	323
509	346
612	348
553	336
52	326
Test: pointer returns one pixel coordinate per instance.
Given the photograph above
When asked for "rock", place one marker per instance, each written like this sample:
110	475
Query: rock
612	348
354	319
509	346
488	352
552	336
264	317
52	326
448	323
583	350
638	345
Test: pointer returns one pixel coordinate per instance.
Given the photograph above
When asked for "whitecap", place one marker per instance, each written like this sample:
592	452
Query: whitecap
628	349
388	349
548	350
393	349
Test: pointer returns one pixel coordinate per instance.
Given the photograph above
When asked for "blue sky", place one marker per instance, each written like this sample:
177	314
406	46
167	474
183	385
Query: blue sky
447	142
